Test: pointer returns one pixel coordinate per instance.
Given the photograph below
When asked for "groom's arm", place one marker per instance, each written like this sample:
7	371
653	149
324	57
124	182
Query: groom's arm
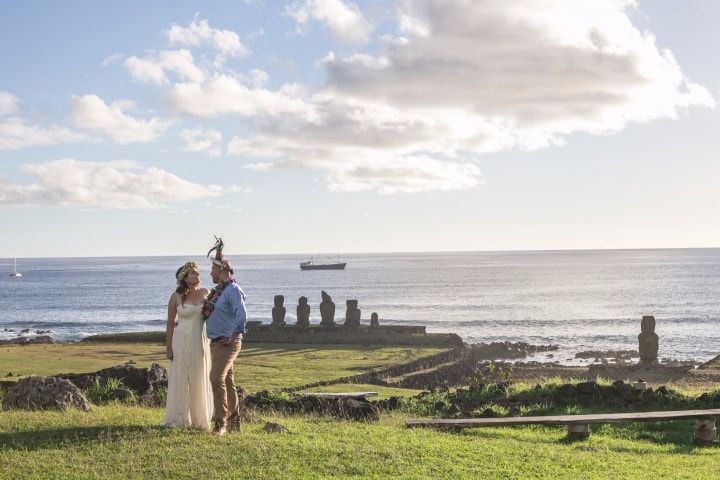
239	311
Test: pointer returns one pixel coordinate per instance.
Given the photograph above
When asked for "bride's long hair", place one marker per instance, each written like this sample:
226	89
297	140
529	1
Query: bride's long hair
181	276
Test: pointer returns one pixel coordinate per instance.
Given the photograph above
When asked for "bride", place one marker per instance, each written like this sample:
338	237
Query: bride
189	393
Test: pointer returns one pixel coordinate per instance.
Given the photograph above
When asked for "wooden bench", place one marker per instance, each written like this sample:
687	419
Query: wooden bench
354	395
578	426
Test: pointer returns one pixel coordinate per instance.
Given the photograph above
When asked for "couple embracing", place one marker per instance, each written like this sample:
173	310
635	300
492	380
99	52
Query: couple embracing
204	337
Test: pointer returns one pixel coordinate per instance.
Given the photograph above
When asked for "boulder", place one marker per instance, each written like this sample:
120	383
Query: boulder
45	393
351	409
139	380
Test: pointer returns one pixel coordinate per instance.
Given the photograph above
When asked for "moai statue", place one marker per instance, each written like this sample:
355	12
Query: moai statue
352	315
278	312
303	312
648	341
327	310
374	321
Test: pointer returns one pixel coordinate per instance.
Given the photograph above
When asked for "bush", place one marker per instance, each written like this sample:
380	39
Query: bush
160	394
101	393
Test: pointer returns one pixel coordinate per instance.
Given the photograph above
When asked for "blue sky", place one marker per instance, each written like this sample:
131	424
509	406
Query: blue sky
310	126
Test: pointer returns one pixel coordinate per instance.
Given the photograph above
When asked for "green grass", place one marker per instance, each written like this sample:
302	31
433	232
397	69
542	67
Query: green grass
259	366
125	442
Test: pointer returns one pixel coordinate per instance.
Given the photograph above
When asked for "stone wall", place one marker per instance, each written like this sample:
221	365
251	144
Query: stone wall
315	334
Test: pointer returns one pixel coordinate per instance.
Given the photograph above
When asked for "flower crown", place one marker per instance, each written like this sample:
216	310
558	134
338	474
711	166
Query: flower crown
184	271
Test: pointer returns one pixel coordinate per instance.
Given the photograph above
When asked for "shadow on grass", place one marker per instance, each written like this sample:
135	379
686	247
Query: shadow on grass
67	437
680	437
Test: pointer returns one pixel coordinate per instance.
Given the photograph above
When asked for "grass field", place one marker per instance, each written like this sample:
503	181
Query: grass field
125	442
259	366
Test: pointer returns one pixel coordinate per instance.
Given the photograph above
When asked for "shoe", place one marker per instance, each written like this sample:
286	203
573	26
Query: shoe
233	423
219	430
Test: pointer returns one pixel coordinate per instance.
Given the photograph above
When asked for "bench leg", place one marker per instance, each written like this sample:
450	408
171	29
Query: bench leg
705	431
577	431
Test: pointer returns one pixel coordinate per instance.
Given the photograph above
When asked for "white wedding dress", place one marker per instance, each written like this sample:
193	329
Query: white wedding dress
189	393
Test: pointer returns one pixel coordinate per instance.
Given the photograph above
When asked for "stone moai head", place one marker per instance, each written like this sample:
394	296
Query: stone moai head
325	296
302	301
647	325
279	300
352	304
374	319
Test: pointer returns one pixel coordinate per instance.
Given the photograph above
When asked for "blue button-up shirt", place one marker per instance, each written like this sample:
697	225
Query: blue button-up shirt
229	315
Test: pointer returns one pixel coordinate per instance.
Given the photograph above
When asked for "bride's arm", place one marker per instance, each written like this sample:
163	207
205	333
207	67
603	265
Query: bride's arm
170	328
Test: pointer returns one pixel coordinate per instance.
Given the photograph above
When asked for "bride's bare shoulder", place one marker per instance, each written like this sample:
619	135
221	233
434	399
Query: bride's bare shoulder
174	299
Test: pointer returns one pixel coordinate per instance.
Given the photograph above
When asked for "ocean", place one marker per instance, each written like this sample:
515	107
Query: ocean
579	300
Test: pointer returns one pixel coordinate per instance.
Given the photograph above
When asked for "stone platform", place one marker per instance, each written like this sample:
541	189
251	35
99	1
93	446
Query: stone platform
314	334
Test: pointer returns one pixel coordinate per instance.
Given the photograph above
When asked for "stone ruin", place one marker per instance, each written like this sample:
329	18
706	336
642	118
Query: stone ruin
278	312
327	310
648	341
374	321
303	312
352	315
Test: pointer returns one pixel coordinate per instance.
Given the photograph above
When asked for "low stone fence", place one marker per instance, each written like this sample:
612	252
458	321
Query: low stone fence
381	376
315	334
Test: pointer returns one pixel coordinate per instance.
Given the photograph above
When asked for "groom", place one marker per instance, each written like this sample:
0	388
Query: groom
225	315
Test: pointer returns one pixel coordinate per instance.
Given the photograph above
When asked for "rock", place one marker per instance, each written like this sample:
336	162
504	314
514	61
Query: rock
586	388
274	428
41	339
139	380
45	393
150	399
157	375
566	391
351	409
123	394
25	330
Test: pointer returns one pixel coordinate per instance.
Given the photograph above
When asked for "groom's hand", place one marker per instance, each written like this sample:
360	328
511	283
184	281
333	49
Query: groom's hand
169	353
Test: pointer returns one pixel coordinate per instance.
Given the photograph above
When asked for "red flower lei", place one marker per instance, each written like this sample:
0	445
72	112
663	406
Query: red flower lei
211	300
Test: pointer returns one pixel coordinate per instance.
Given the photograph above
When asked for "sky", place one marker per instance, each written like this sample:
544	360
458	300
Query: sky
325	126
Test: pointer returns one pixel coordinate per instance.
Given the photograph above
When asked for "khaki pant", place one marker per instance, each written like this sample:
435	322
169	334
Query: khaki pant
221	378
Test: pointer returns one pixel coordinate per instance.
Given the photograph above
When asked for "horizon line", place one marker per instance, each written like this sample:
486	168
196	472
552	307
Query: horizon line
387	252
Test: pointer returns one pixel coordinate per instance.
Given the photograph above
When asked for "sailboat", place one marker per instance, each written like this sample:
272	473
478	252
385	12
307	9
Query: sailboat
311	265
15	272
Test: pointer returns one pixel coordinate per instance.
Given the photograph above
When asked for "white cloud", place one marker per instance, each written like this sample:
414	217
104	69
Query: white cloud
199	140
223	94
451	81
90	112
344	19
568	66
117	184
15	134
199	32
459	79
9	103
259	78
153	67
110	59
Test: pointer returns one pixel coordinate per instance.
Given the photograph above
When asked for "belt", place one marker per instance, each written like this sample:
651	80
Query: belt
217	339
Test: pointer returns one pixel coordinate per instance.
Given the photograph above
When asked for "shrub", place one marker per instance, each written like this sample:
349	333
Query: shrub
160	394
101	393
